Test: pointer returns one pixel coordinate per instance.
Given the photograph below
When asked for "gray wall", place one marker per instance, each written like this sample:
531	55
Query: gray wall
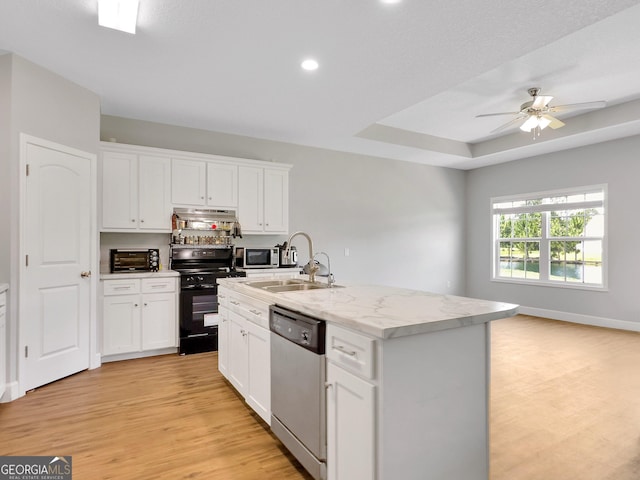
403	223
614	163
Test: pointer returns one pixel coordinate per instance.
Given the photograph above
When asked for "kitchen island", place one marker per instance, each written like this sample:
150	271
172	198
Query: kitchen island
407	378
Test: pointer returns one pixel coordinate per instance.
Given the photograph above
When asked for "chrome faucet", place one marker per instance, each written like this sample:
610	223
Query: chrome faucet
330	279
313	268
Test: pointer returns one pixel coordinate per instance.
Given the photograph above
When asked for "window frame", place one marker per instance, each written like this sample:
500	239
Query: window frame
545	240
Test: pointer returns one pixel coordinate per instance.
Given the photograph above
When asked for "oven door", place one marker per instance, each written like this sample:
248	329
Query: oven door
195	303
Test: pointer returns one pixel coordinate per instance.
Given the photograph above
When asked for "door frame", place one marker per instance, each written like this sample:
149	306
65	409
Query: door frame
94	353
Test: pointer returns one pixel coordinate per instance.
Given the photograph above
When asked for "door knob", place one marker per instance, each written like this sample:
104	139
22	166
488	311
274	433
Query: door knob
85	274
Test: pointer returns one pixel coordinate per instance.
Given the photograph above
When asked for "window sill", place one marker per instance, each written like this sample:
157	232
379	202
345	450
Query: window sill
539	283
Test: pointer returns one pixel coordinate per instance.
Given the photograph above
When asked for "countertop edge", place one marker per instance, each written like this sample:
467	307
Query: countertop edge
503	310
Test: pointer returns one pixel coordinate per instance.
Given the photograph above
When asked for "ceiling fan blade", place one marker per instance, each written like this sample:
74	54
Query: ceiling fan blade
510	123
578	106
553	122
541	101
495	114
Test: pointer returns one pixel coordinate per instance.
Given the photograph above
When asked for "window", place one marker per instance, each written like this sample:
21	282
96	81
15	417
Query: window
555	238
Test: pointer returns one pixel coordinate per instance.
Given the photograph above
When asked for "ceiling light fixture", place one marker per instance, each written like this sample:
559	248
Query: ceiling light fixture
309	64
118	14
537	123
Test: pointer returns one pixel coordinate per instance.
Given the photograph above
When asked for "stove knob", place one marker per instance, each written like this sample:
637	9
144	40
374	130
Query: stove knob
201	279
305	337
189	279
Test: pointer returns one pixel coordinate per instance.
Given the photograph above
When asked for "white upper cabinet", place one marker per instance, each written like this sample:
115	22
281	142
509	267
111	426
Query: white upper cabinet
204	183
135	192
142	185
263	201
188	182
222	185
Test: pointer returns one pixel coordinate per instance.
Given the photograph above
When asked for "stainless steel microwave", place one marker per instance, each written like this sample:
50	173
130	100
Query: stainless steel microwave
134	260
254	257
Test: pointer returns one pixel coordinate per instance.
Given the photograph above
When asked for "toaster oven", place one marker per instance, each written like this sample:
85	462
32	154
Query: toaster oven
137	260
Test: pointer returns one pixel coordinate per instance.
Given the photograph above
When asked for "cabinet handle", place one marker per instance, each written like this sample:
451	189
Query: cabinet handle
161	285
133	220
122	288
328	385
234	302
135	304
256	312
141	221
145	304
342	349
243	332
85	274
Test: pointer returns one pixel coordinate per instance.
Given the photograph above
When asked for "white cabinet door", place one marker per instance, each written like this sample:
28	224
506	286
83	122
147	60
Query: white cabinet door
153	193
119	190
3	343
158	321
188	182
258	394
350	426
223	343
250	199
121	324
276	201
222	185
238	353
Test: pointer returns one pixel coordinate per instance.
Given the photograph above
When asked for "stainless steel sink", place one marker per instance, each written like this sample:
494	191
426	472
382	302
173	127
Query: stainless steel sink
288	285
277	283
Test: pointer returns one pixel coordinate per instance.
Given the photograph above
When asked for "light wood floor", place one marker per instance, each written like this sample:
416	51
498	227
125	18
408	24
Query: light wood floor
565	401
565	405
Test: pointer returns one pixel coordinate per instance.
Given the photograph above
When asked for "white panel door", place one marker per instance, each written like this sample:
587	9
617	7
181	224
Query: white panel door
55	288
259	369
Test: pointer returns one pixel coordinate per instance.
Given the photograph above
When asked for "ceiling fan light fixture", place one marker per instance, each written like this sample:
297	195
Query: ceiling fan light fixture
535	122
118	14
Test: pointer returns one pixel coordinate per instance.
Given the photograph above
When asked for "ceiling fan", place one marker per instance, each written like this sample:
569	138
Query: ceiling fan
535	114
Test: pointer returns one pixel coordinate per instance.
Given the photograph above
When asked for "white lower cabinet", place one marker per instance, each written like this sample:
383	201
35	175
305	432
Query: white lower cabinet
351	413
244	349
139	315
350	426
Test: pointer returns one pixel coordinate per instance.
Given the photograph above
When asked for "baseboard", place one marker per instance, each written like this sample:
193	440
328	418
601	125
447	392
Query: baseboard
11	392
583	319
134	355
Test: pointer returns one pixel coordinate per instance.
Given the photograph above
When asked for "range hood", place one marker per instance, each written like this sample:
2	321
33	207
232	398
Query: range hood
203	219
205	215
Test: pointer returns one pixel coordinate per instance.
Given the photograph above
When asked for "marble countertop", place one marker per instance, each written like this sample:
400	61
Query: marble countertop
384	312
118	276
4	287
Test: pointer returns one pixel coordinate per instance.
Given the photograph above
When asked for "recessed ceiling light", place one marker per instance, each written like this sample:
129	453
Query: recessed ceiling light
309	64
390	1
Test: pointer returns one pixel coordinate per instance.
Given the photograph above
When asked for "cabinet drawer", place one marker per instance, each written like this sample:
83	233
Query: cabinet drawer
350	350
249	308
156	285
121	287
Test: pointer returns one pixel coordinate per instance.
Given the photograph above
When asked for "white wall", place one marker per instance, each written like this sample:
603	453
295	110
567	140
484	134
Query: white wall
614	163
403	223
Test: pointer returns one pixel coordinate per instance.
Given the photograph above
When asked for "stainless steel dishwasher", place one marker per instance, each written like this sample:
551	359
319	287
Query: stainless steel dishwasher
298	402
